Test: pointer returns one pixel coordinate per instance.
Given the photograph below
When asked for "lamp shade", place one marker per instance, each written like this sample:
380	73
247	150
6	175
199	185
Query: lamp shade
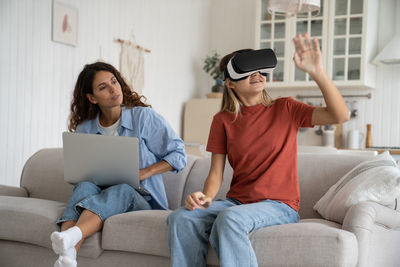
292	7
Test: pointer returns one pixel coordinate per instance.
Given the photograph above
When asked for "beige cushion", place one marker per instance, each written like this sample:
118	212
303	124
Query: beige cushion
31	220
146	232
317	173
16	254
376	180
305	244
142	231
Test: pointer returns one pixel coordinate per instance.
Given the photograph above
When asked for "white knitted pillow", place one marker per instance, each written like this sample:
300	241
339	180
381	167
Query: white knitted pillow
376	180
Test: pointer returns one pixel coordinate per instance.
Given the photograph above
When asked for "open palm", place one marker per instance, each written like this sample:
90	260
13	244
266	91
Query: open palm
307	57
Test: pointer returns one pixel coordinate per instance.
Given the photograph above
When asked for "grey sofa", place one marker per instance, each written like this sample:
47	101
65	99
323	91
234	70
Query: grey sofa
369	236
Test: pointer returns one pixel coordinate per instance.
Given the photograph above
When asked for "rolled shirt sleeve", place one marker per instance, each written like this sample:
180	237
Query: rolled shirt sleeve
162	140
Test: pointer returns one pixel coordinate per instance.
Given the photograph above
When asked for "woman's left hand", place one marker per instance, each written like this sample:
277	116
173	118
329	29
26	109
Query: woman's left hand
307	57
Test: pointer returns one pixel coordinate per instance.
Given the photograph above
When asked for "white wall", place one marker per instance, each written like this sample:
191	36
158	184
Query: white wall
233	25
37	75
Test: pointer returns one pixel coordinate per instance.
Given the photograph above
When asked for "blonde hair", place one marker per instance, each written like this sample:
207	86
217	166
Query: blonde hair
230	101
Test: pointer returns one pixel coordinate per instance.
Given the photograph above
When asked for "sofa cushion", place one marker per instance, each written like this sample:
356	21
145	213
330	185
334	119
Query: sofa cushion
146	232
143	231
317	173
312	243
376	180
32	220
322	221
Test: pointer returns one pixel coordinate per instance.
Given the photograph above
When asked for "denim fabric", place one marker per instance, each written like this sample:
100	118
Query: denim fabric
157	142
226	225
103	201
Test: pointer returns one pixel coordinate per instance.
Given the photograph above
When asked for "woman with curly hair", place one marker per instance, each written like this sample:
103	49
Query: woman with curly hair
104	104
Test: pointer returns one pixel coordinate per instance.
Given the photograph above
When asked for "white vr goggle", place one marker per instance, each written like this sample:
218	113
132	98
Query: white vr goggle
246	63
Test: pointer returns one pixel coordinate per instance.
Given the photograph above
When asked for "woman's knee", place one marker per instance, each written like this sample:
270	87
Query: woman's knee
124	189
87	187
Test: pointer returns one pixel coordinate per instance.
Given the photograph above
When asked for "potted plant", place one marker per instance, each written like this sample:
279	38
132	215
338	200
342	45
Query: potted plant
211	63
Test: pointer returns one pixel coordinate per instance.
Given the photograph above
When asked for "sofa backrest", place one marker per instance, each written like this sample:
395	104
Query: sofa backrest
198	175
317	173
43	175
175	183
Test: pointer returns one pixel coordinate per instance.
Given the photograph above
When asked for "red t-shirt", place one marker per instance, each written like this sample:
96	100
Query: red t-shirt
262	149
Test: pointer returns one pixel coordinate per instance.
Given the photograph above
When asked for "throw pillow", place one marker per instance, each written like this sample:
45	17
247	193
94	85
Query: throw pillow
376	180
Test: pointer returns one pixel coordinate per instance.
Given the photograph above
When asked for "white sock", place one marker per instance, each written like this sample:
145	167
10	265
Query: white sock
67	258
65	261
71	253
62	241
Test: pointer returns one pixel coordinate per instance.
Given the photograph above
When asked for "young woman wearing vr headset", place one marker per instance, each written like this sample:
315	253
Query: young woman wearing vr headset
258	135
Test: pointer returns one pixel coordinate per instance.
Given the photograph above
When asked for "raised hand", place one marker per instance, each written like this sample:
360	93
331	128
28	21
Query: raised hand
307	57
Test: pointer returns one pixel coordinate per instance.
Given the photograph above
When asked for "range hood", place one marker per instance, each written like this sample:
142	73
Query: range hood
390	54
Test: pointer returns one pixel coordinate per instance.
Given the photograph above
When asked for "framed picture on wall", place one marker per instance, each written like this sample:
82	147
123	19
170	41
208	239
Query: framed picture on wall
65	24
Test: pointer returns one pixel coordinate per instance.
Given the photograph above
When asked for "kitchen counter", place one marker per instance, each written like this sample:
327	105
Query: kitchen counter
392	149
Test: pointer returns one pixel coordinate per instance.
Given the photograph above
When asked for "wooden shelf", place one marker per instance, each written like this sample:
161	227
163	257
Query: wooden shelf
214	95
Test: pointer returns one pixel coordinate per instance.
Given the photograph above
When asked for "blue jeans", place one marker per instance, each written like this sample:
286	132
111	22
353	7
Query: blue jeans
103	201
226	224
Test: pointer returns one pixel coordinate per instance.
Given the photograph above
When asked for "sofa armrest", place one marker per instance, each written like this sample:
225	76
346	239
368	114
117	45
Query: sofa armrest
13	191
366	214
362	220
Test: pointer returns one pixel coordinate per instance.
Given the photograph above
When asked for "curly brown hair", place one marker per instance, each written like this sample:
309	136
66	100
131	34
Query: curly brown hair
82	109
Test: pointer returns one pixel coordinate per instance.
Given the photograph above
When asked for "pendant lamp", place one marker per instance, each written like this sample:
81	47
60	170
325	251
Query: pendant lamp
289	8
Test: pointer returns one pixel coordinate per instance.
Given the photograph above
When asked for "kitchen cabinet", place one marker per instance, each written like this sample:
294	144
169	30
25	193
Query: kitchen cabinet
346	31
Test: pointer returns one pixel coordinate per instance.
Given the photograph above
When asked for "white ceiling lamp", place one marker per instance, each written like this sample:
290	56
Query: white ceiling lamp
289	8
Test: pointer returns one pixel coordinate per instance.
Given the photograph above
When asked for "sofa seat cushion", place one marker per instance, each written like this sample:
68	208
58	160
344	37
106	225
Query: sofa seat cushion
323	222
32	220
312	242
308	243
143	231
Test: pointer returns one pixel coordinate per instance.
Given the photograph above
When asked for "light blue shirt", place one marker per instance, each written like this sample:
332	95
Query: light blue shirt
157	141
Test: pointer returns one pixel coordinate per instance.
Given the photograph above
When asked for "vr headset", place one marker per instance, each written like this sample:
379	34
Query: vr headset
245	64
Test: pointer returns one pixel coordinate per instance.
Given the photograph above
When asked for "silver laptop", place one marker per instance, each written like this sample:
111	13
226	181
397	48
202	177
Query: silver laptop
103	160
